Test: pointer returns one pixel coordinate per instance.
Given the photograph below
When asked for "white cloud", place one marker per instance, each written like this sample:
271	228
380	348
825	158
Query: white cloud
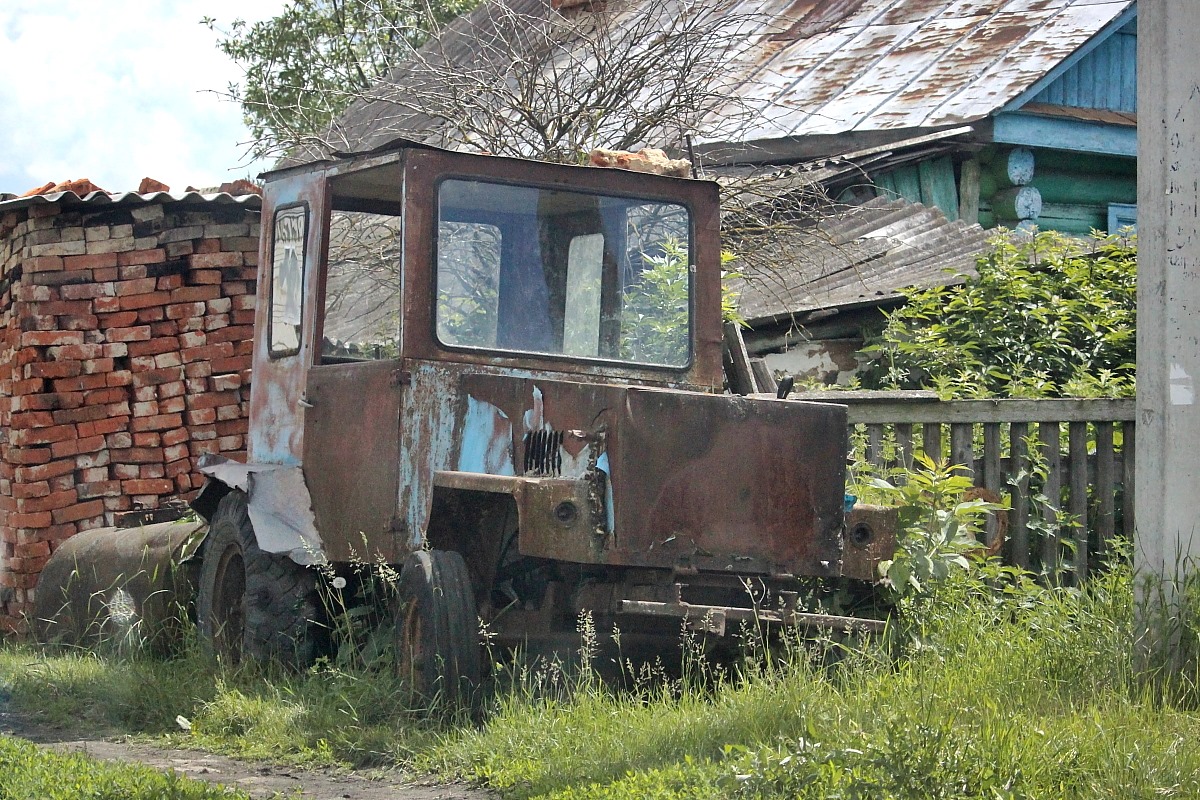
118	90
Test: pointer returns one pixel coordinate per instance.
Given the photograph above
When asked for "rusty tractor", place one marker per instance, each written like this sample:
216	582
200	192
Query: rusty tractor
504	379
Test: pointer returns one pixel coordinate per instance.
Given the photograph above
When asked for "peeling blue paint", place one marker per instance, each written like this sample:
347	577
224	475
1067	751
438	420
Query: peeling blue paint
609	515
486	440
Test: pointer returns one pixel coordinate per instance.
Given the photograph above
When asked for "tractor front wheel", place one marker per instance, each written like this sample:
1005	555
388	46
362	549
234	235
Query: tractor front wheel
436	629
254	605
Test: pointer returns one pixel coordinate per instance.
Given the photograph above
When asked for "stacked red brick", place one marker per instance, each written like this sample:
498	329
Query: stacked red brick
125	339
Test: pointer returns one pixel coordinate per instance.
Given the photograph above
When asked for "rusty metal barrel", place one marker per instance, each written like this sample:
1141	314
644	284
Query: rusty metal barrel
119	587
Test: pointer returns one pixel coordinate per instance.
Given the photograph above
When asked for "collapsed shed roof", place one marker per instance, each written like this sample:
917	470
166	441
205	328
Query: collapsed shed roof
863	255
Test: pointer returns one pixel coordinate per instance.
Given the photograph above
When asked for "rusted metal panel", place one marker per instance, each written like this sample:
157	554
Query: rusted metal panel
352	456
277	392
279	505
728	483
716	620
562	519
673	479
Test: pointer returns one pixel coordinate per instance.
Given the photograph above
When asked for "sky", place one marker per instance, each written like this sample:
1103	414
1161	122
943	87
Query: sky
118	90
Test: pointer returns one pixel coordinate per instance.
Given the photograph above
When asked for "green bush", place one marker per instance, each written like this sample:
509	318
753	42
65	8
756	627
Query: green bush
1047	316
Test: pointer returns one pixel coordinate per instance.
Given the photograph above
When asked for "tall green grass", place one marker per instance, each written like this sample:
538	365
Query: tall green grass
28	772
989	686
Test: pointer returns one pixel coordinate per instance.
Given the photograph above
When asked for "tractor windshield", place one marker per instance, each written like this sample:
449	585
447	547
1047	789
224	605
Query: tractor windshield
548	271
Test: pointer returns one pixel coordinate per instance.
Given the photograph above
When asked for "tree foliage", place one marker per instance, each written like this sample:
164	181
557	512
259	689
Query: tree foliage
304	66
1047	316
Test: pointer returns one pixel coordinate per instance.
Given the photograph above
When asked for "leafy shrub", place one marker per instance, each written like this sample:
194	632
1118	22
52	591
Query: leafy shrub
1047	316
938	528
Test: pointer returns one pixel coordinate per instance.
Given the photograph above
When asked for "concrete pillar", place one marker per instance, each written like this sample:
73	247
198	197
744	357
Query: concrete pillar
1168	358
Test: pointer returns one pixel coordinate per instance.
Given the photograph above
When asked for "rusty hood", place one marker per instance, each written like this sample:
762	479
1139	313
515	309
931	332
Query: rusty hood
691	481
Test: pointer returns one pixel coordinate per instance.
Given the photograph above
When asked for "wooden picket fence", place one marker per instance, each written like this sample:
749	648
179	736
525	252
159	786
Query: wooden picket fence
1067	464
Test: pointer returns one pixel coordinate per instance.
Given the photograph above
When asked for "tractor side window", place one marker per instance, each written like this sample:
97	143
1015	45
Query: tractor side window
555	272
468	280
287	280
362	288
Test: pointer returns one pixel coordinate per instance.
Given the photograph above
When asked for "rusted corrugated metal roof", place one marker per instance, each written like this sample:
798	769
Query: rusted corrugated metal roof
97	199
893	64
863	255
812	67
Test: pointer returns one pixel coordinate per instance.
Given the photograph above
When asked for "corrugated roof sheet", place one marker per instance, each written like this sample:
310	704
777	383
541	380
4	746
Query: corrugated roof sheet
821	67
888	64
97	199
863	255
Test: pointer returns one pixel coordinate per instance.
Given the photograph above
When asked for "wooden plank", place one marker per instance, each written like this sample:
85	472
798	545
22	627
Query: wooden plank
1077	434
1049	434
1019	517
1106	480
875	446
908	185
931	440
962	446
866	397
1057	410
1035	131
904	444
992	479
1128	448
937	185
738	372
764	381
968	191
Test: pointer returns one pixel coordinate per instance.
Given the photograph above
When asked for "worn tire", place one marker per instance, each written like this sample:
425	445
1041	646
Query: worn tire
436	629
254	605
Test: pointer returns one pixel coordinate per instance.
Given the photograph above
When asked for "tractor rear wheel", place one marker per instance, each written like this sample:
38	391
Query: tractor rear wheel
436	629
254	605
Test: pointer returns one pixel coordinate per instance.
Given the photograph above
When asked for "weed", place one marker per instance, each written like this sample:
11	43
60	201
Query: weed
26	771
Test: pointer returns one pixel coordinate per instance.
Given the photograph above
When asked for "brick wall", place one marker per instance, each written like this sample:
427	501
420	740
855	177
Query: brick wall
125	340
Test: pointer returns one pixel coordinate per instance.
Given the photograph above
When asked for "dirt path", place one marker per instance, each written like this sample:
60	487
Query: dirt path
258	779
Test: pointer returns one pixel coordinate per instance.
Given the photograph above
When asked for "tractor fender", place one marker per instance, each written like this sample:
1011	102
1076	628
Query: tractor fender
280	506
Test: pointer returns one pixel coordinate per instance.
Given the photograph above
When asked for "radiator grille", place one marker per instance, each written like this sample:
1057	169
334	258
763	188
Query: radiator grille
543	456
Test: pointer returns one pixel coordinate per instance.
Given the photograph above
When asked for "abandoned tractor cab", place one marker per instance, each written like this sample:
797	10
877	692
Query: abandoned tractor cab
504	377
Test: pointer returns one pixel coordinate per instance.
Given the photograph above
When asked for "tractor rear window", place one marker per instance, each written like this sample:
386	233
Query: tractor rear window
563	273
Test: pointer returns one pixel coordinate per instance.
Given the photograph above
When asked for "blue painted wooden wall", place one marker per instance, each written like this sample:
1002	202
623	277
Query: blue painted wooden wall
1104	78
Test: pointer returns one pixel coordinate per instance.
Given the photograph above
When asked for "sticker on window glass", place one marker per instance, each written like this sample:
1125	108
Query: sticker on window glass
287	280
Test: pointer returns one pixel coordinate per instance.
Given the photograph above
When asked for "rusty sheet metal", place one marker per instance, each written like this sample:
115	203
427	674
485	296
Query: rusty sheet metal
279	505
821	66
728	483
666	478
352	456
559	518
915	63
716	620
